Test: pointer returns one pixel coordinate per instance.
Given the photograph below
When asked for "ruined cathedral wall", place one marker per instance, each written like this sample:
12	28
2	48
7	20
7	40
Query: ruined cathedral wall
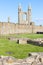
29	29
37	29
11	28
23	28
6	28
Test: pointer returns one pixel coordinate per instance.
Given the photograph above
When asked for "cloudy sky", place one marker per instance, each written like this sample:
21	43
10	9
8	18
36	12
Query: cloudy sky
9	8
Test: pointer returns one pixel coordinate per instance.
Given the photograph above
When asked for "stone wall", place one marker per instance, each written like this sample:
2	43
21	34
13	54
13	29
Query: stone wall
11	28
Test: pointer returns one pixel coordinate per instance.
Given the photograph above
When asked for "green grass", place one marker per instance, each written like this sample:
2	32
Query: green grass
29	35
18	50
26	35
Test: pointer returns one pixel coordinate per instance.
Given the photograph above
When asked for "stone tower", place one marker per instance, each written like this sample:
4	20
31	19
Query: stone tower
19	14
29	14
27	19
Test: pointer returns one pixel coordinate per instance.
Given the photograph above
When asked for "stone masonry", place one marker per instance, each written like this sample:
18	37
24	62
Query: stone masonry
11	28
35	58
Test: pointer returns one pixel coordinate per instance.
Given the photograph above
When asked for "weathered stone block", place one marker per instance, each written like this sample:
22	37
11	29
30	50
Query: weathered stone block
22	41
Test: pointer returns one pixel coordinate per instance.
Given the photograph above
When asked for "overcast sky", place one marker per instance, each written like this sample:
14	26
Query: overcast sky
10	8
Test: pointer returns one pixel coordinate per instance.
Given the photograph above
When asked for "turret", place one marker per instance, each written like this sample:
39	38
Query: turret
19	14
19	8
29	7
29	14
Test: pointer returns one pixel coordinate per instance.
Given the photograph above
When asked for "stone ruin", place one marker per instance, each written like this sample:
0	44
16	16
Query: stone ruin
24	24
38	41
35	58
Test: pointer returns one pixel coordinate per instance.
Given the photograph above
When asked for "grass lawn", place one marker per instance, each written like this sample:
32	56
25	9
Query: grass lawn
32	35
17	50
27	35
